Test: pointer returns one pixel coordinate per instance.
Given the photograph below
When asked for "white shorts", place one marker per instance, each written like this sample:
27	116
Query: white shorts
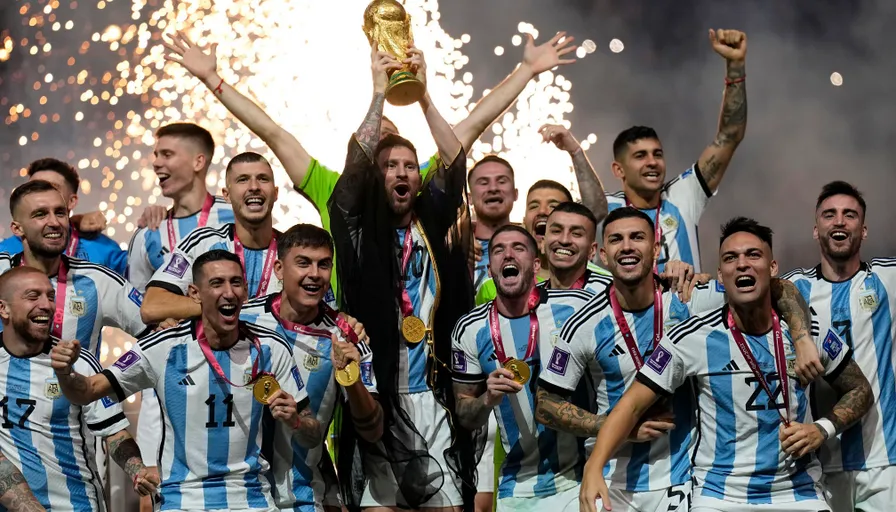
485	471
673	499
431	420
149	427
868	490
565	501
707	504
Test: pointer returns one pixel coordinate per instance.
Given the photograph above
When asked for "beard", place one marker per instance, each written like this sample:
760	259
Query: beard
520	288
840	253
40	249
29	332
400	209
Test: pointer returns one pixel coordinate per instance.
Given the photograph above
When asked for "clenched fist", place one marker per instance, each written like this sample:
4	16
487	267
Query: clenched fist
731	44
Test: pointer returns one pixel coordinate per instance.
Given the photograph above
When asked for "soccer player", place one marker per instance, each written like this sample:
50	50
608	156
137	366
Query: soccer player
88	296
312	178
542	468
756	432
251	191
856	299
401	277
569	245
15	493
44	435
90	246
321	350
181	159
639	161
214	376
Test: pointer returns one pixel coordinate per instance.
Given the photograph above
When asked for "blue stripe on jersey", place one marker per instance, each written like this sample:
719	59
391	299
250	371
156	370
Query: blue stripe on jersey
685	253
638	471
317	383
683	407
254	496
881	323
718	354
155	251
254	268
214	489
18	386
851	440
86	289
416	352
803	485
64	449
767	443
176	408
547	438
519	327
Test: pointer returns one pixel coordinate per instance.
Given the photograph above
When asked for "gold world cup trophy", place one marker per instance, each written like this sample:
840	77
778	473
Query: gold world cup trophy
387	24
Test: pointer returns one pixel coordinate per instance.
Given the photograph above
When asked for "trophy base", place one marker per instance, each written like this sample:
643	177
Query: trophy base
404	89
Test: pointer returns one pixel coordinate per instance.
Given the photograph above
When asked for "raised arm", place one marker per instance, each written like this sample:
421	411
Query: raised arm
368	134
732	45
536	59
446	141
204	66
160	304
77	388
556	412
590	187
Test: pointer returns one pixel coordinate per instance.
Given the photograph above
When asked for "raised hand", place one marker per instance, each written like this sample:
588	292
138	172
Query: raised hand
92	222
356	326
64	355
381	66
560	136
200	64
152	217
342	353
416	63
548	55
731	44
680	276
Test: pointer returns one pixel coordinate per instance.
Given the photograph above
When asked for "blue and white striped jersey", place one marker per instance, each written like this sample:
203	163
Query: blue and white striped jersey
540	461
176	274
596	280
50	440
592	343
738	456
861	310
298	480
211	450
148	248
420	282
684	199
93	247
95	297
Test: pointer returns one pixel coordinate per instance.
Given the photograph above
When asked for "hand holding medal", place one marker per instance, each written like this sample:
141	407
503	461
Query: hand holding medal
500	382
346	361
283	408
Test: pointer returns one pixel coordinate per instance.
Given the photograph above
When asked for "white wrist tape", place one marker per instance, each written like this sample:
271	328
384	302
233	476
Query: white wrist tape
828	426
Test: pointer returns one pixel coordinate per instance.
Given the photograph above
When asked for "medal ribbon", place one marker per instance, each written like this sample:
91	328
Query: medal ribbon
407	308
657	228
61	283
203	220
780	362
580	282
630	342
494	327
266	270
74	238
347	332
207	352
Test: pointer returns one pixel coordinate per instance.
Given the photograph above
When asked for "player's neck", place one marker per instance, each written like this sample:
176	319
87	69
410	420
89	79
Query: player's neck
840	270
255	237
403	221
485	228
634	297
47	264
190	201
18	346
754	318
219	341
642	199
513	307
563	279
296	313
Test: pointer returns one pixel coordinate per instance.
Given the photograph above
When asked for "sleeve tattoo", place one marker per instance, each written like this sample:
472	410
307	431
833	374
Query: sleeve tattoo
590	187
855	395
15	495
368	133
471	409
125	453
732	122
792	307
553	411
308	434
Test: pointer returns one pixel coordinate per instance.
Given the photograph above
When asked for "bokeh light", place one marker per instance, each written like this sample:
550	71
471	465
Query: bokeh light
836	79
616	46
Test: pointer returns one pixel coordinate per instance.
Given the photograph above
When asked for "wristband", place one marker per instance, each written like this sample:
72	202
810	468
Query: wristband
827	426
729	81
218	89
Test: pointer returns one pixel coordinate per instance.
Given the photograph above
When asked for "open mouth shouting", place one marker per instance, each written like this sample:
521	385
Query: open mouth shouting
510	273
402	191
745	283
41	320
229	312
838	235
492	201
540	226
255	203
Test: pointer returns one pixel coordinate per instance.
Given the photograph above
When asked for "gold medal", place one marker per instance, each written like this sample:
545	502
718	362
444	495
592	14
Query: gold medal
413	329
265	386
519	369
348	375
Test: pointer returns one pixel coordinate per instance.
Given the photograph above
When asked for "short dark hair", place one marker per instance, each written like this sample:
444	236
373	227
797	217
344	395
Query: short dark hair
577	209
26	189
246	157
390	141
746	225
490	158
540	184
630	136
303	235
192	132
627	212
59	167
837	188
513	227
210	257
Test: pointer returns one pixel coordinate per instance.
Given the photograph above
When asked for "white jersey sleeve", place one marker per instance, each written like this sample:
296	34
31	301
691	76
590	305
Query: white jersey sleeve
105	416
706	297
122	309
833	352
367	376
465	349
176	273
139	270
666	369
133	371
690	194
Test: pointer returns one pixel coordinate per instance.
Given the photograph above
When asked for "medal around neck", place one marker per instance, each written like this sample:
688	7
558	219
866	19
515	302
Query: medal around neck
264	387
520	370
413	329
348	375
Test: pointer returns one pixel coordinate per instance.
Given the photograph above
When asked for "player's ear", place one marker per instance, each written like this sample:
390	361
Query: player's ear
16	229
864	232
773	266
193	293
4	309
618	171
603	256
278	269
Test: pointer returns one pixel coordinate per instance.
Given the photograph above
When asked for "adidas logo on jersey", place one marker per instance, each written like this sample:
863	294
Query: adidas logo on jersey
617	351
731	367
187	381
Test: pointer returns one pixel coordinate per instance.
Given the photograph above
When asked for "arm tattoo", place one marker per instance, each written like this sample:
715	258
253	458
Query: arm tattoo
15	495
557	413
368	133
732	122
590	187
472	412
125	453
855	395
793	308
75	387
308	433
